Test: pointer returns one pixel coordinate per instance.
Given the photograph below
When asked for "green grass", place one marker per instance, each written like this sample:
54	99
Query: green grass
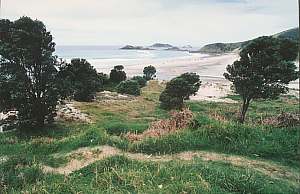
215	128
121	175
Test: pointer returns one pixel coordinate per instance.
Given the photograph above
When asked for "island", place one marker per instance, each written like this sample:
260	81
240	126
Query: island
130	47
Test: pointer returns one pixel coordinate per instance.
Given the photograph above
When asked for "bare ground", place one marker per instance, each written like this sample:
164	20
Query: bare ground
85	156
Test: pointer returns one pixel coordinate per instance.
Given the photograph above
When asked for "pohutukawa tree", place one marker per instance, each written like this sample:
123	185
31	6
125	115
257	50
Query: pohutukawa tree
265	68
27	71
179	89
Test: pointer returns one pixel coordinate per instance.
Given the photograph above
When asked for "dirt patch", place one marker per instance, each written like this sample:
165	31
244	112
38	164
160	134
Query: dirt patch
86	156
111	96
82	158
178	120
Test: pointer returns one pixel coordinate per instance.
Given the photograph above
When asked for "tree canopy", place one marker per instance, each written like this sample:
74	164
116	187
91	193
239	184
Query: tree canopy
265	67
80	80
117	74
131	87
149	72
27	71
141	80
179	89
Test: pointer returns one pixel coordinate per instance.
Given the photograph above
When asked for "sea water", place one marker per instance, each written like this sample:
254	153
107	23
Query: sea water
104	58
114	53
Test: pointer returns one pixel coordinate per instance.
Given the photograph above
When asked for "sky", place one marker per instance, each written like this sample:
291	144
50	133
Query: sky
144	22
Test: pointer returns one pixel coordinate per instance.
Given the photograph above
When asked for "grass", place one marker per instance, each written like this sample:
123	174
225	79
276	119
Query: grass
121	175
215	128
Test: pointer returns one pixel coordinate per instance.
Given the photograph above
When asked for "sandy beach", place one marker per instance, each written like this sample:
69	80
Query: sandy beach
210	68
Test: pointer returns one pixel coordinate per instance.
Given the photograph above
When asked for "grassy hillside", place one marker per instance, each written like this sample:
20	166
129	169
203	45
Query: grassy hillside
215	154
219	48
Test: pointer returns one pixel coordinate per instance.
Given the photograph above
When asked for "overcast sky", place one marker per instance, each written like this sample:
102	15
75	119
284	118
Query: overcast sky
143	22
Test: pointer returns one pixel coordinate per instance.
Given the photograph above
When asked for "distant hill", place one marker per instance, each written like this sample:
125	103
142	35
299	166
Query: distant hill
219	48
292	34
160	45
130	47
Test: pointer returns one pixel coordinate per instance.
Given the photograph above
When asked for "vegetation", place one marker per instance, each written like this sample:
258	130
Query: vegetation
117	74
149	72
292	34
209	152
219	48
214	130
27	71
141	80
179	89
80	80
265	68
131	87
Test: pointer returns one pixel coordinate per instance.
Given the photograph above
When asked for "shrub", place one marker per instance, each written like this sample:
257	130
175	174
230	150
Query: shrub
179	89
131	87
142	81
103	78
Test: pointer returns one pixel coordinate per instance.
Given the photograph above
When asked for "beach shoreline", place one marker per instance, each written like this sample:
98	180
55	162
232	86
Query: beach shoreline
211	68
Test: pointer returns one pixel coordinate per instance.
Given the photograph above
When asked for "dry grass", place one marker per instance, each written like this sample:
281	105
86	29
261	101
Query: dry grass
283	120
178	120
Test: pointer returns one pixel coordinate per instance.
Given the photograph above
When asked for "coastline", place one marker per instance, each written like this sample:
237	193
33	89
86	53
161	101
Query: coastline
209	67
214	86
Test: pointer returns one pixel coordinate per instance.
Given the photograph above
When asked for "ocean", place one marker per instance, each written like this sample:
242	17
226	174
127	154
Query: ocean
104	58
114	53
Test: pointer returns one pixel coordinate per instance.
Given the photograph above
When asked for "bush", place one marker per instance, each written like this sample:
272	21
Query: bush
179	89
103	78
117	74
142	81
81	80
131	87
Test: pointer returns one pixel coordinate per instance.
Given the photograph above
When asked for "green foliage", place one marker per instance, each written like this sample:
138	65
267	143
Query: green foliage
277	143
121	127
213	130
104	79
141	80
121	175
292	34
27	71
80	80
265	68
117	74
149	72
18	172
179	89
131	87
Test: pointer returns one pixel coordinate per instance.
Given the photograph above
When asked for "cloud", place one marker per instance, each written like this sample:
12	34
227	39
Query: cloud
182	22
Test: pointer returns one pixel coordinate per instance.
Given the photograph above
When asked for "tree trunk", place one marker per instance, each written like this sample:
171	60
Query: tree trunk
244	109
